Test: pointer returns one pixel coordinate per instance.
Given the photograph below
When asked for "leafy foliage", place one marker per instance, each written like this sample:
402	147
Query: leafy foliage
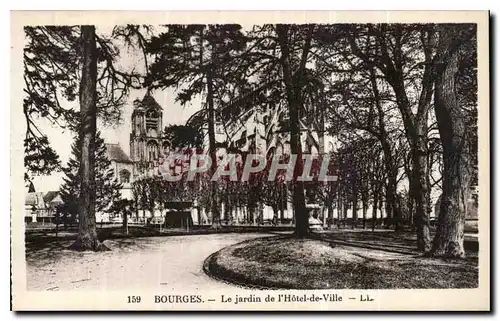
52	72
183	136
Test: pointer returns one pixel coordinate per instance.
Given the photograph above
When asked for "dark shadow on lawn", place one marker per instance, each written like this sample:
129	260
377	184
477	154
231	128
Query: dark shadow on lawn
397	242
37	254
280	262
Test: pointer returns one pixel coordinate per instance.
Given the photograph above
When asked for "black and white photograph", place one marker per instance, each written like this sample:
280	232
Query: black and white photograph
251	165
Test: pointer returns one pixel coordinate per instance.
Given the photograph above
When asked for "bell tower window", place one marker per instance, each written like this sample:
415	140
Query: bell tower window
152	119
152	147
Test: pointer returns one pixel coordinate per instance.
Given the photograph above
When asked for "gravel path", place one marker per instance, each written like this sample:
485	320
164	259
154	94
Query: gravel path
161	263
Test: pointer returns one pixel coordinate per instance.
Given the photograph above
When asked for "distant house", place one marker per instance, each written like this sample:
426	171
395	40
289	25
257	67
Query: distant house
33	206
52	200
40	207
123	168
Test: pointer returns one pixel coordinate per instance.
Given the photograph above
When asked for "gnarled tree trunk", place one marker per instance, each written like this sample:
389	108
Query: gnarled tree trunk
449	239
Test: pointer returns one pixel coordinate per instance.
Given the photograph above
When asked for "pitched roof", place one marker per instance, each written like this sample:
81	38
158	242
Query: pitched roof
146	103
50	195
56	200
116	153
34	199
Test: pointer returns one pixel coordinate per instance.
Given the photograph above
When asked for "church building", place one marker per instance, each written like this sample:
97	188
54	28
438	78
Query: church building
147	142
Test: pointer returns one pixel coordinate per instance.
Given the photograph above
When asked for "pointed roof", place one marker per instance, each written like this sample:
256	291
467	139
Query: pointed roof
34	199
147	102
31	188
52	198
115	153
49	196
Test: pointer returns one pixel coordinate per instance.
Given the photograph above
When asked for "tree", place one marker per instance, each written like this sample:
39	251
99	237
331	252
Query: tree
50	68
328	192
107	186
401	57
294	80
452	120
273	72
196	59
377	179
140	195
87	233
183	136
71	60
124	207
358	100
395	58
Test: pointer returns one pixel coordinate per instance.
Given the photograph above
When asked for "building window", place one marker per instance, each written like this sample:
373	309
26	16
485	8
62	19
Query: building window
152	147
124	176
152	119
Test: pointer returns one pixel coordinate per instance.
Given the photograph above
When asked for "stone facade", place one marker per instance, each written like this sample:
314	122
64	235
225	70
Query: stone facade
147	143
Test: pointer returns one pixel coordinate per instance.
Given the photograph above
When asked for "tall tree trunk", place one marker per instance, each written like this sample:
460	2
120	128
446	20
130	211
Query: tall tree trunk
449	239
211	140
420	187
388	207
355	206
416	134
410	210
392	205
330	214
283	193
365	210
293	85
339	208
375	205
275	214
346	207
393	211
125	221
87	233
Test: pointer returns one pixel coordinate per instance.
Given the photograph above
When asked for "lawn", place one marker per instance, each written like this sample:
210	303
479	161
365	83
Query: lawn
287	262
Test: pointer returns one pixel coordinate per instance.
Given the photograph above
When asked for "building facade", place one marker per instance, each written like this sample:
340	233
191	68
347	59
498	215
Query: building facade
147	142
123	168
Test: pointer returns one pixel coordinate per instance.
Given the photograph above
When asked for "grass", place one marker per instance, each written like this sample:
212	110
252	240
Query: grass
286	262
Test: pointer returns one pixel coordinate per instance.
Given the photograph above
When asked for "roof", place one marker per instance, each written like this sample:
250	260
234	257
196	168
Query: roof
49	196
34	199
116	153
52	197
147	102
56	200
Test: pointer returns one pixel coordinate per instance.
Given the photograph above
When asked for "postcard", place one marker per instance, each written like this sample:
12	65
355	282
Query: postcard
251	161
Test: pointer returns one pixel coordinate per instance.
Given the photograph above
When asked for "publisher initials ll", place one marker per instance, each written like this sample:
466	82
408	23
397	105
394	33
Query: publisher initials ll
365	298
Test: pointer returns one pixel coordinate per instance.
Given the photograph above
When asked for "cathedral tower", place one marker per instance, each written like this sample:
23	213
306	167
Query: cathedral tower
146	141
